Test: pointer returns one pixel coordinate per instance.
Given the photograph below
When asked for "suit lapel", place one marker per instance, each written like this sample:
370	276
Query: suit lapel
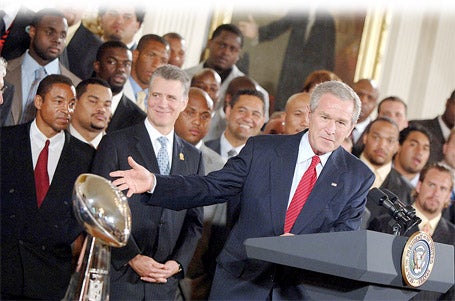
326	188
280	182
178	155
144	148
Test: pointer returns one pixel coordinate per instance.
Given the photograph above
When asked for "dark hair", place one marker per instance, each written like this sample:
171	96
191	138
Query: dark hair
39	15
150	37
139	11
394	99
108	45
239	93
228	27
404	133
82	86
46	84
317	77
452	96
384	118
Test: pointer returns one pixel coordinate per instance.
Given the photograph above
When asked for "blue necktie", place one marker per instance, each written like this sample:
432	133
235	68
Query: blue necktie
29	112
163	157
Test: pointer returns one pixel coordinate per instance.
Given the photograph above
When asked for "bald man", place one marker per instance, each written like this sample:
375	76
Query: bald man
296	113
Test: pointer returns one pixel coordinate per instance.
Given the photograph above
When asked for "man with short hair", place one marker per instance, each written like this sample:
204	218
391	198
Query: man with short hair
40	163
296	113
92	112
152	52
439	128
113	64
47	41
224	47
394	108
178	48
208	80
265	177
368	92
432	196
245	118
121	23
162	241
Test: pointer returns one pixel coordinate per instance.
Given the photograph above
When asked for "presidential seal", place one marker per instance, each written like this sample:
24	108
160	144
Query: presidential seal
418	259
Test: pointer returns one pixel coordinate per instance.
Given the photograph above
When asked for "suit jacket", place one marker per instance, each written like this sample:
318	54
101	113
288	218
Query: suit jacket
14	76
36	242
302	56
126	114
261	175
162	234
5	108
80	53
437	138
224	85
444	233
18	40
215	144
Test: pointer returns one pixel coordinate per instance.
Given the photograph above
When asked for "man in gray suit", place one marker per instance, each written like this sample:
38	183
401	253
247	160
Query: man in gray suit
47	41
162	241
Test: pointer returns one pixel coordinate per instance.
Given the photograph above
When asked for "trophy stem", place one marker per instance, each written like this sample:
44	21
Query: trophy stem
90	281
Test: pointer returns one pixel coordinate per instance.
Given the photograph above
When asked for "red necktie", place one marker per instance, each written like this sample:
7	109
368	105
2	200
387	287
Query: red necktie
301	194
41	175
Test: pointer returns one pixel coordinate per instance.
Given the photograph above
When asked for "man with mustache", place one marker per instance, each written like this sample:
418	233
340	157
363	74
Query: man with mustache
47	33
113	64
92	112
40	162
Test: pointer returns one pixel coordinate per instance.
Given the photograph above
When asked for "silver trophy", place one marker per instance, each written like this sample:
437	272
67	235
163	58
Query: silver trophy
104	212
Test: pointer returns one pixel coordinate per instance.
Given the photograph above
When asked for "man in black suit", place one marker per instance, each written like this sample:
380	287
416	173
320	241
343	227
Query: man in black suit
162	241
432	196
37	232
439	128
81	44
15	41
113	64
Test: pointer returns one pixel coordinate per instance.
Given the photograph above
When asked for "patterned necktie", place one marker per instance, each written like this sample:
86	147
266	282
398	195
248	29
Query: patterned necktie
140	100
41	174
163	157
301	194
29	112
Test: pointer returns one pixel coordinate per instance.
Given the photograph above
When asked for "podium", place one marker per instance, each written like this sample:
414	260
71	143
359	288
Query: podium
352	265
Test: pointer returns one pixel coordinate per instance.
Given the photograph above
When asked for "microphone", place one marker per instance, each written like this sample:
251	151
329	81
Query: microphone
395	209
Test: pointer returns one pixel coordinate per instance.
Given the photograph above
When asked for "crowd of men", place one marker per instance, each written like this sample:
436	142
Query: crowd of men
73	102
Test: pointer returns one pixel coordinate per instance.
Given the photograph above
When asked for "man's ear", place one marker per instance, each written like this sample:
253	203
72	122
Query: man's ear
38	102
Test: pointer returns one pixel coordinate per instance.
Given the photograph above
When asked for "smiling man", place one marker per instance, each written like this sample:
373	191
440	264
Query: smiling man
264	177
245	118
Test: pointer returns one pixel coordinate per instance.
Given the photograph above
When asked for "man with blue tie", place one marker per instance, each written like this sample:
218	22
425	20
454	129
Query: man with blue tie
267	176
162	241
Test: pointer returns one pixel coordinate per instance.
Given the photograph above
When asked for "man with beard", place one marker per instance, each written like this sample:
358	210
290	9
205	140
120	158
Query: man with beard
47	41
92	112
113	64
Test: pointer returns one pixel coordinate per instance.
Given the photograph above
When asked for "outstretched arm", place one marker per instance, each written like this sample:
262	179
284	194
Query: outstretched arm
136	180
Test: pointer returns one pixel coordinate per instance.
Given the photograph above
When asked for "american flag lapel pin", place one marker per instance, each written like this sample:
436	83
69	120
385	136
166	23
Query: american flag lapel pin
181	157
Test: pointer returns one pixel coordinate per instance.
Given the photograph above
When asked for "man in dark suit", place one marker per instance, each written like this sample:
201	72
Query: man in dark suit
36	238
113	64
15	41
162	241
432	196
6	93
43	52
81	44
439	128
265	175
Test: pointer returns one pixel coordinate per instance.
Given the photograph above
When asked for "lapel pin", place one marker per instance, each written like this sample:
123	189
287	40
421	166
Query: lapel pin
334	184
181	157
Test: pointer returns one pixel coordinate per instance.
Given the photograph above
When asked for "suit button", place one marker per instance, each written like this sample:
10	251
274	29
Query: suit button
56	226
21	242
66	203
11	190
12	216
43	248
